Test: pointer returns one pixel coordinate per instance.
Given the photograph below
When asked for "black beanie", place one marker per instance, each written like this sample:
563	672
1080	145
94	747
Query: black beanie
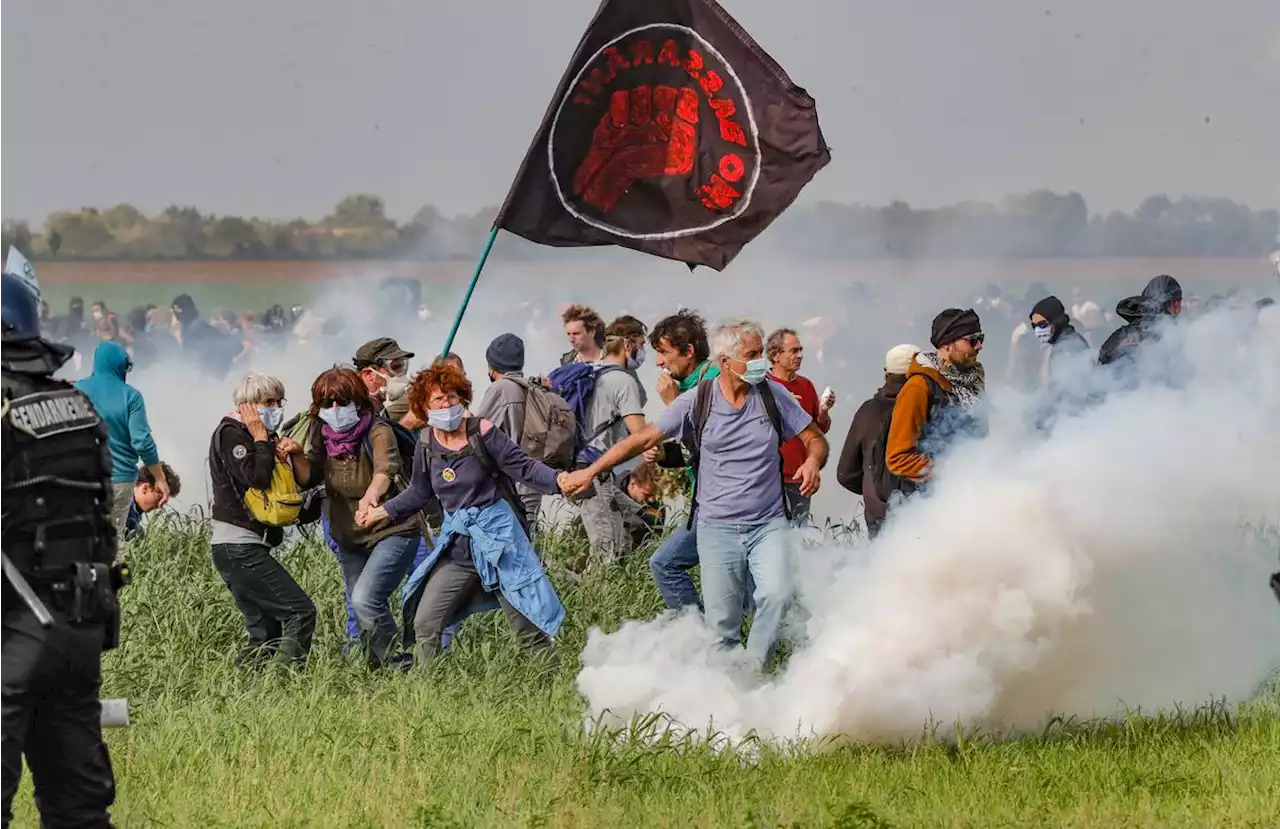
505	353
1051	308
954	324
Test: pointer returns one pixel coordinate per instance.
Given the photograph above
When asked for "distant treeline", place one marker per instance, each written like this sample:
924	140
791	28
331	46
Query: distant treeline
1038	224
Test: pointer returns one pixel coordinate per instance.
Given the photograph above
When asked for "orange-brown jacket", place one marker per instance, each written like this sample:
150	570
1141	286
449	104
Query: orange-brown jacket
910	414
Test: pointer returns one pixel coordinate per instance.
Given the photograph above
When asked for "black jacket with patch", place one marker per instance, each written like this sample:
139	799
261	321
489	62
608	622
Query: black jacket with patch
238	463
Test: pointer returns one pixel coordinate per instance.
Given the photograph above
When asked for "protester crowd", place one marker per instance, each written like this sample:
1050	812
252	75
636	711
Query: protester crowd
424	480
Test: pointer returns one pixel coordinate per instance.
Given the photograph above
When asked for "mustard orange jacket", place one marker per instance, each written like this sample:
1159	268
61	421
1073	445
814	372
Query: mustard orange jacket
910	413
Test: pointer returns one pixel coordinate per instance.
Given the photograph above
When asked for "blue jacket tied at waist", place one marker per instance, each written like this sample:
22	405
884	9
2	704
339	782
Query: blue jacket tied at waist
505	560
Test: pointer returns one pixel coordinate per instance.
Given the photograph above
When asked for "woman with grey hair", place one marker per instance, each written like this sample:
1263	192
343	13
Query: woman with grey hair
278	615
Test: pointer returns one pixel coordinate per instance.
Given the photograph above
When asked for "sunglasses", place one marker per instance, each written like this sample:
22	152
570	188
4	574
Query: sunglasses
330	402
976	340
1041	324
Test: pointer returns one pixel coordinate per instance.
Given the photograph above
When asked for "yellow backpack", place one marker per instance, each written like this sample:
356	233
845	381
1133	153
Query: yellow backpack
279	504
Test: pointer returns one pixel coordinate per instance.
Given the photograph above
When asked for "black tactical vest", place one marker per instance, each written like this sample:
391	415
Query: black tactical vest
57	477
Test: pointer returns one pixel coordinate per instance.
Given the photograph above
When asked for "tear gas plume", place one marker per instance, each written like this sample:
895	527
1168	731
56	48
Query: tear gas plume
1108	565
1116	564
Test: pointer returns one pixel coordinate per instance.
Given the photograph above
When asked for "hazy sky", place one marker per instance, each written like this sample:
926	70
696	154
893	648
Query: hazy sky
279	108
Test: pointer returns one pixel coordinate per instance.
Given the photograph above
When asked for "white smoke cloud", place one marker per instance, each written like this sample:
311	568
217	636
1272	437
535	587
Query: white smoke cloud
1104	567
1107	567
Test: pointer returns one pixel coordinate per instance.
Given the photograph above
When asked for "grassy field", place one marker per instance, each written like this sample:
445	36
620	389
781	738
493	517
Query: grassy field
487	739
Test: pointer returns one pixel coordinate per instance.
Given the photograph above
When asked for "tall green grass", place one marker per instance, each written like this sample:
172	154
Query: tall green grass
488	738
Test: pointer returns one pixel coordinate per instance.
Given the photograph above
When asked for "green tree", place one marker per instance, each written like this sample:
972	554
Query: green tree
17	234
80	233
123	217
361	210
230	236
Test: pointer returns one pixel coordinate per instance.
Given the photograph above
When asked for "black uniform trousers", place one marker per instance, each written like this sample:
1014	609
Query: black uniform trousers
52	716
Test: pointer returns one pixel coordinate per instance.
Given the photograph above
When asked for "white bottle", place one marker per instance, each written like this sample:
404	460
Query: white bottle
115	713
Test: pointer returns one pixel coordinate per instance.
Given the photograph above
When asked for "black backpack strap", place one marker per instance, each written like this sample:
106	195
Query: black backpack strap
701	411
775	417
586	440
771	408
475	440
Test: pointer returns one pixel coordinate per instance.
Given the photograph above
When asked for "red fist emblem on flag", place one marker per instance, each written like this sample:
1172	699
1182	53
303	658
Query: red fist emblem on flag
646	133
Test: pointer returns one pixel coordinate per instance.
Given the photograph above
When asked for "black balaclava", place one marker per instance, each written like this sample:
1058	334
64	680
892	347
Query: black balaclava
1052	309
186	309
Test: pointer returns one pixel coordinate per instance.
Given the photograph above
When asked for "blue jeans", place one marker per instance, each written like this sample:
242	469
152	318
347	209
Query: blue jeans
730	554
352	629
371	577
670	566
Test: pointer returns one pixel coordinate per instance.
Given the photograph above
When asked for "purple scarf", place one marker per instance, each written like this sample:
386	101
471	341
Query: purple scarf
344	445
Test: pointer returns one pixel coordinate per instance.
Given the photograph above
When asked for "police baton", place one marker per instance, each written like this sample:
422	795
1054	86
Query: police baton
28	596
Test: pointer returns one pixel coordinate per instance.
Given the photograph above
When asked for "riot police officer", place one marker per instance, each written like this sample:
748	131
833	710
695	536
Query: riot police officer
59	604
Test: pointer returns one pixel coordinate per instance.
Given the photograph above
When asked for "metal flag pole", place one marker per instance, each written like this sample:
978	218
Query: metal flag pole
475	277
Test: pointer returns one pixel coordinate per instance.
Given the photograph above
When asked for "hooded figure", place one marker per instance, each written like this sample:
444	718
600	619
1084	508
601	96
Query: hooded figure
211	349
120	406
855	458
1161	298
1057	336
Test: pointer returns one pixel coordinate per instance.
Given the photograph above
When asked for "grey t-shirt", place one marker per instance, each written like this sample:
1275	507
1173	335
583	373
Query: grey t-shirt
739	474
503	405
617	395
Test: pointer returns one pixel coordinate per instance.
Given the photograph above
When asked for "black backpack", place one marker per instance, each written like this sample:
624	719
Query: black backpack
475	443
407	446
877	470
702	410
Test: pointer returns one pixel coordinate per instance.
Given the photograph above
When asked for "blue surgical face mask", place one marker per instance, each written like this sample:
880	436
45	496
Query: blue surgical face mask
635	362
756	371
446	420
271	416
340	418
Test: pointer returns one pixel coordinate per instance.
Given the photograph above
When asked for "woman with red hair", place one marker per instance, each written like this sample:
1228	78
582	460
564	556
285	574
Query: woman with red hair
355	456
483	551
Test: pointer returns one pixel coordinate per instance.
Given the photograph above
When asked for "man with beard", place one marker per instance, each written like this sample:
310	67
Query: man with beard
855	472
937	403
1159	301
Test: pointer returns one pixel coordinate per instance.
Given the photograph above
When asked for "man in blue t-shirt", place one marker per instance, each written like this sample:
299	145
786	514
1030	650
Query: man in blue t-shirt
741	520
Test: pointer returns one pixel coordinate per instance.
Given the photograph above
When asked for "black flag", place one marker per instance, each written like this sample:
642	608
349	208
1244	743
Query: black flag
672	132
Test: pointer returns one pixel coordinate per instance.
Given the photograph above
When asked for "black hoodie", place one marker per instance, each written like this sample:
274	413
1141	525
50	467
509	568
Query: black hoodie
1066	340
1140	313
852	470
211	349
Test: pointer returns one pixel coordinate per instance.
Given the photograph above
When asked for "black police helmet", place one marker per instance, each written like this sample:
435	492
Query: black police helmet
20	306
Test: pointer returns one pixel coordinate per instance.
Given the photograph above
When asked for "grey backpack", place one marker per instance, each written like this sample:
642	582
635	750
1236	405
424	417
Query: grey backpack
549	426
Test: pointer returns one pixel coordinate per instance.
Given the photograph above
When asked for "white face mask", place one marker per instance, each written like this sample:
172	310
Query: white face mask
1044	333
272	417
397	385
446	420
340	418
635	362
